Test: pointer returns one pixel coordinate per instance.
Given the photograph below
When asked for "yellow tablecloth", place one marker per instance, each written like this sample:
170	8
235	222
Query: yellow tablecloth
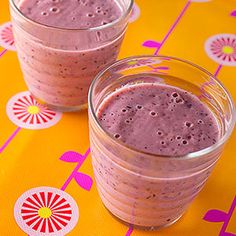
31	155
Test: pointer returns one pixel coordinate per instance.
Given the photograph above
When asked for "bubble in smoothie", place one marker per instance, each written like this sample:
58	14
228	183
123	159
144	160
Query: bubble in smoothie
127	121
139	107
117	136
90	15
44	13
200	122
153	113
174	95
188	124
185	142
160	132
179	100
54	9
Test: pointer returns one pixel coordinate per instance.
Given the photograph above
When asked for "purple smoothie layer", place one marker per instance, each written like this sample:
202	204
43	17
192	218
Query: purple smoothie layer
159	119
71	14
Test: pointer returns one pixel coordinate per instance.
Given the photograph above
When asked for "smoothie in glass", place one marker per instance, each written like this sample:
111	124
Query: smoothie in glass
63	44
162	120
155	138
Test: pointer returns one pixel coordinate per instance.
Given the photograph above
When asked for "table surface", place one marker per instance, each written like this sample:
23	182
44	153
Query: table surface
52	156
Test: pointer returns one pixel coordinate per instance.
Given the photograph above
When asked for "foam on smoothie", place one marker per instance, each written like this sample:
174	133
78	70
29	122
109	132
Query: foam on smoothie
159	119
71	14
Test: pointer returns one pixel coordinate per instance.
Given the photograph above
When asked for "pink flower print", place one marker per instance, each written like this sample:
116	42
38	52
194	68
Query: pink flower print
24	111
222	49
46	211
6	37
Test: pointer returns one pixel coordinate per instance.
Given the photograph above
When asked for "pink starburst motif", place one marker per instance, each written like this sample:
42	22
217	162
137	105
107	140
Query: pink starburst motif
24	111
135	13
6	37
222	49
46	211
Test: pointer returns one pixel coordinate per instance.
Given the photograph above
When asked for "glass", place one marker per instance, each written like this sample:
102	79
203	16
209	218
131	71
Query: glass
139	188
59	64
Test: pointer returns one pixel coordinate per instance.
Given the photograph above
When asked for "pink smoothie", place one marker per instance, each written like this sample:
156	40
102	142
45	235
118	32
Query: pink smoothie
162	120
71	14
56	73
159	119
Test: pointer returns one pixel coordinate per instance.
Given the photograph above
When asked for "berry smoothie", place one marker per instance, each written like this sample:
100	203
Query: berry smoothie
163	121
159	119
61	50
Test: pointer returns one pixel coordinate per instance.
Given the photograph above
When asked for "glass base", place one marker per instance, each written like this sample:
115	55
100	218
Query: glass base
62	108
144	228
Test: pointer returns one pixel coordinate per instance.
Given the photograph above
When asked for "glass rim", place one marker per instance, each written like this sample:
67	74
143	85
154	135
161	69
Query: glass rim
191	155
101	27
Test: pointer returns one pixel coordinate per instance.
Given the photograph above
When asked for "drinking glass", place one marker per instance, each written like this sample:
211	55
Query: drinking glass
59	64
142	189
